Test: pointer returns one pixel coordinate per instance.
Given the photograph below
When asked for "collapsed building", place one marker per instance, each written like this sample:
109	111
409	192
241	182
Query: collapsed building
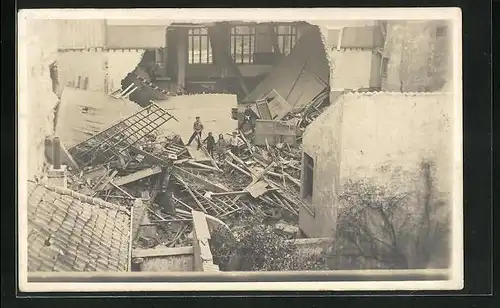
124	119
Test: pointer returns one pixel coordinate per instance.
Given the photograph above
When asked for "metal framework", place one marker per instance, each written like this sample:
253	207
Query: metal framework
120	137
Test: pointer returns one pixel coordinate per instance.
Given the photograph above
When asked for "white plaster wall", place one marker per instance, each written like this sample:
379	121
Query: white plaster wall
120	63
36	89
397	129
86	64
214	111
322	141
104	69
351	68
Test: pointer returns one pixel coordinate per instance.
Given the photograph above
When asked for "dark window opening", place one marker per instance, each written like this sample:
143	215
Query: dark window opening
384	67
308	179
441	31
242	44
200	51
287	38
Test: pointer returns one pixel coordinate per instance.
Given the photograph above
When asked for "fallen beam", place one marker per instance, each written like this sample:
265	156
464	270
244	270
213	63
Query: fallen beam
162	252
152	158
186	186
105	184
191	162
206	183
135	176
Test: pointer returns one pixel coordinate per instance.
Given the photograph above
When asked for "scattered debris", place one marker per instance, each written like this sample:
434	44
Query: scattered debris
132	162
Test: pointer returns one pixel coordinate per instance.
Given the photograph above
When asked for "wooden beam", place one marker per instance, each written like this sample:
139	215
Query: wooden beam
194	163
222	54
209	185
134	177
186	186
274	39
152	158
162	252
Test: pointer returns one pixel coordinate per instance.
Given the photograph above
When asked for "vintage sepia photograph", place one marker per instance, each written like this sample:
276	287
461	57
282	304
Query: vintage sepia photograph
240	149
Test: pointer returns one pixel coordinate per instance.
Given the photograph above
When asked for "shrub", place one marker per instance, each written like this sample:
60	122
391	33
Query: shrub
259	248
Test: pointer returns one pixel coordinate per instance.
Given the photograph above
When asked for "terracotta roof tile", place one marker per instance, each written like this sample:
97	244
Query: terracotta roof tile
67	234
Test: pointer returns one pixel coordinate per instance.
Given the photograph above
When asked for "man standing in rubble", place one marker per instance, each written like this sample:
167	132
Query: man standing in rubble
247	118
198	128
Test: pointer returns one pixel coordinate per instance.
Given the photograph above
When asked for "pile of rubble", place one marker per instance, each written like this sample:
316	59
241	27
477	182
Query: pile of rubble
133	160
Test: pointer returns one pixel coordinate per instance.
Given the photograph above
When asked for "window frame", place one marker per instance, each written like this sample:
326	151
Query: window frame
200	37
292	35
239	40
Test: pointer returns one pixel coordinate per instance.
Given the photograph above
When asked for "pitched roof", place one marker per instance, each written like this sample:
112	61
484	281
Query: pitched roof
68	231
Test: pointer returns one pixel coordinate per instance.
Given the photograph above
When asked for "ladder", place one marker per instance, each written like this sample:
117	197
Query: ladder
115	140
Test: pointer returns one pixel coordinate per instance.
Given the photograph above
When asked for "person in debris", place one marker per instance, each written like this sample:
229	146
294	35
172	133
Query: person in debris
210	141
221	147
198	128
247	118
234	142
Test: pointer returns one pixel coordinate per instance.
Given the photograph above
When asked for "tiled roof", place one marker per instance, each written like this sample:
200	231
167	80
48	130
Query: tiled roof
71	232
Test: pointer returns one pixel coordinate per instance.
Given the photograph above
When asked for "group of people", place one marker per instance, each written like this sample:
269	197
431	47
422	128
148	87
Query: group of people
220	146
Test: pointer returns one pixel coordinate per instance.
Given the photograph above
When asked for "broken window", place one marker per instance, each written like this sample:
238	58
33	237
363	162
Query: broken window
384	66
308	179
287	37
200	51
242	44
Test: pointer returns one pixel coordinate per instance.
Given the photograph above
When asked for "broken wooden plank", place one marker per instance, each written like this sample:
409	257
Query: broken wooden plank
210	194
186	186
200	225
215	206
209	185
162	252
249	146
136	176
105	183
180	202
150	157
258	189
212	160
238	168
121	189
191	162
155	222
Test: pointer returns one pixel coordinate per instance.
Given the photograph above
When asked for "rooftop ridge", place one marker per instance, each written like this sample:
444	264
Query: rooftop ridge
82	197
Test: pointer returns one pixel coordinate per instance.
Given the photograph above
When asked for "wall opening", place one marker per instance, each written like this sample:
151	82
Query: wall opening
227	57
308	179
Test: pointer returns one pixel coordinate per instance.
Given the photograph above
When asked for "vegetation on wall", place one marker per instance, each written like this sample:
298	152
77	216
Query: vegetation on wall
258	247
388	226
